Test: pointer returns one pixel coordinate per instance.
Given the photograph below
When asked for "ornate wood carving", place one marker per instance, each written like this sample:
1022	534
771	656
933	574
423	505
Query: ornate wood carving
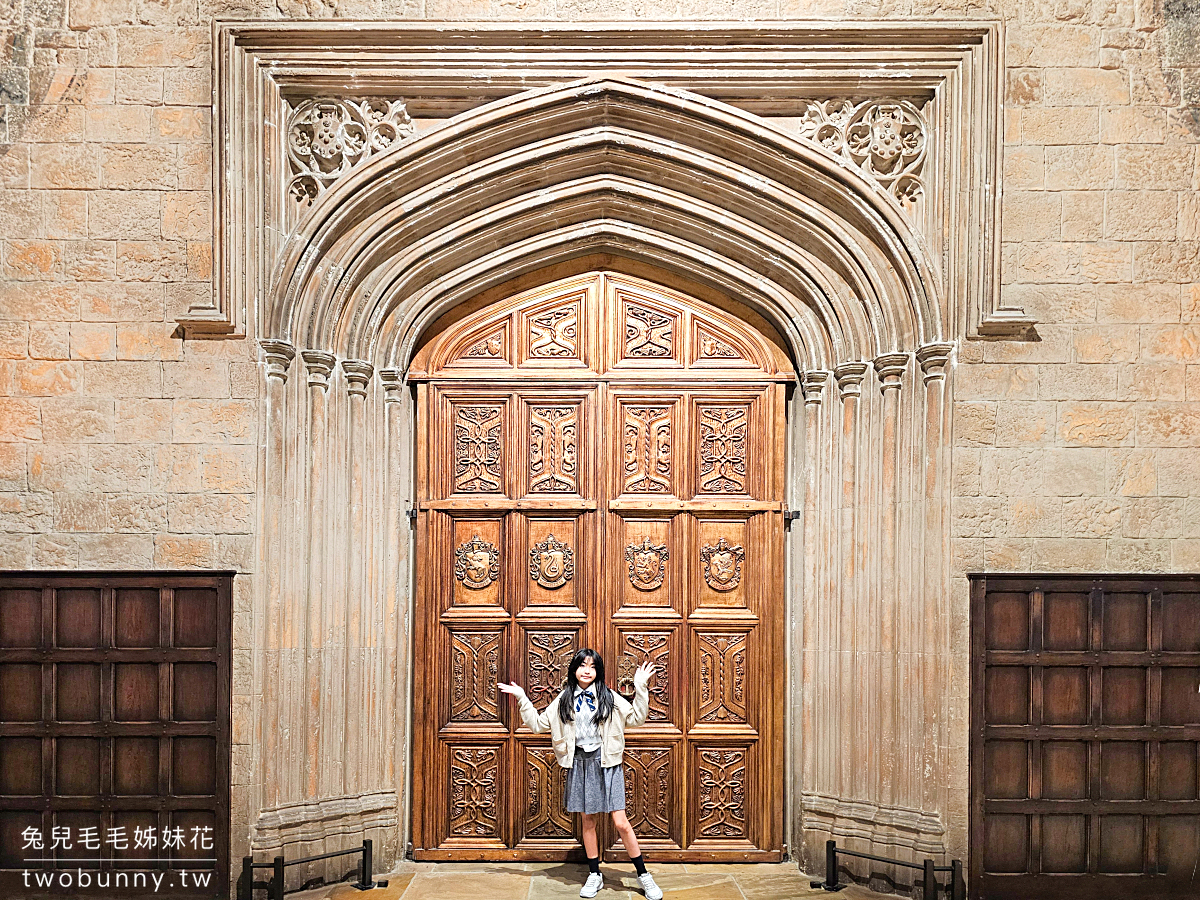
648	333
722	806
554	334
648	449
551	563
547	656
474	791
489	347
712	347
648	800
476	563
553	454
545	816
652	647
722	565
722	676
478	453
647	564
722	451
474	664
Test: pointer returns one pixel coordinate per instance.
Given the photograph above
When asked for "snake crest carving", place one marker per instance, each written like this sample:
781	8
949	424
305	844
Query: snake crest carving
551	563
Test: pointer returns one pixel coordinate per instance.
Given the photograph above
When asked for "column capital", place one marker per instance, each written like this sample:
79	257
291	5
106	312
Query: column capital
358	373
849	377
933	358
320	366
278	355
891	368
813	384
393	384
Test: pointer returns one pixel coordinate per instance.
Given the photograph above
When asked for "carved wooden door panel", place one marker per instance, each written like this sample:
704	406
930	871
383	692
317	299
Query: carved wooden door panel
600	465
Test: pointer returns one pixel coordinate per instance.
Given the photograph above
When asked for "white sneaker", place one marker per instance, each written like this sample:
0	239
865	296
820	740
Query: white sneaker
592	886
652	890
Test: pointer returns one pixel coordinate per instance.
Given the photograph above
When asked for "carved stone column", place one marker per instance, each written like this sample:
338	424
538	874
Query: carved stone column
278	356
890	368
398	497
934	359
849	377
358	375
813	385
316	706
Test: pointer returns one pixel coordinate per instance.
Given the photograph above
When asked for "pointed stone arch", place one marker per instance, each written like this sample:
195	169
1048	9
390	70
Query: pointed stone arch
690	188
677	179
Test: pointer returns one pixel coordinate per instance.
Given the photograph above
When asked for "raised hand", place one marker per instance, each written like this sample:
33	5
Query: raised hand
515	689
644	671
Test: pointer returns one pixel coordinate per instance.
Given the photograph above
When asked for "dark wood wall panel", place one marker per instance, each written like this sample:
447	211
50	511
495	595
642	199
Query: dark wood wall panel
1085	737
114	714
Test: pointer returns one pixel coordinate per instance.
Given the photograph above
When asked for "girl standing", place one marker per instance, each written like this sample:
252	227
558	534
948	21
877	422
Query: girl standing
587	723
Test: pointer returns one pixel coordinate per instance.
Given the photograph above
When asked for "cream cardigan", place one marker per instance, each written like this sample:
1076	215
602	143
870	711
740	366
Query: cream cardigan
612	731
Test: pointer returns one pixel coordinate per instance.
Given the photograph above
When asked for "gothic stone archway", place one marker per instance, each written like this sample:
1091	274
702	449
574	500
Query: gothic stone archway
600	465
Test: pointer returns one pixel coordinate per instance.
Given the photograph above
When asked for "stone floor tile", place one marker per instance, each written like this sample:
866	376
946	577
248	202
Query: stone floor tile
496	885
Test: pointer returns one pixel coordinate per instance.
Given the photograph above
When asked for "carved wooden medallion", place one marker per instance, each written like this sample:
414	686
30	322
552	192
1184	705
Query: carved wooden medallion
555	333
474	791
722	676
551	563
474	664
553	456
722	565
647	466
647	564
477	563
723	449
477	449
712	347
722	793
489	347
648	333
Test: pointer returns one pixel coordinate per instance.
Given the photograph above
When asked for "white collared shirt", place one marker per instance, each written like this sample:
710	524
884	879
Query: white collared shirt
587	732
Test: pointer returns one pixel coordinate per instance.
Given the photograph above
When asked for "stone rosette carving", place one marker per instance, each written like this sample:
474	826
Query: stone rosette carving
722	563
885	139
327	137
551	563
647	564
477	563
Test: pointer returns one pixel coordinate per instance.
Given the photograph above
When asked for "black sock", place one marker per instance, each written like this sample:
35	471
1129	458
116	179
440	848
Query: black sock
639	863
594	865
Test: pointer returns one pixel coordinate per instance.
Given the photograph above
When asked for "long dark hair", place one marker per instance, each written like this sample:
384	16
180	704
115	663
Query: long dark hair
604	700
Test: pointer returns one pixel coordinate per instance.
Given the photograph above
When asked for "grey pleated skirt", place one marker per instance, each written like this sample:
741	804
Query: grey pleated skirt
592	788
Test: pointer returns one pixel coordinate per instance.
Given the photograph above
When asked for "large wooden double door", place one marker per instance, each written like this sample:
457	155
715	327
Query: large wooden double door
600	464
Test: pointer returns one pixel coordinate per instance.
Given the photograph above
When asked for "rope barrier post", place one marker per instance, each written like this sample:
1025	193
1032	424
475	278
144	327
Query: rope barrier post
930	884
245	885
831	872
958	887
277	879
367	863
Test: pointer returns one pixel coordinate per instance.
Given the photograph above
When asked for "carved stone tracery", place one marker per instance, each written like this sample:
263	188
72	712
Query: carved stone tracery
327	137
884	138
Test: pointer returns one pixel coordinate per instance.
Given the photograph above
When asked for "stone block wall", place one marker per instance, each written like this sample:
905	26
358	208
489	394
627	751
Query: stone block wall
123	445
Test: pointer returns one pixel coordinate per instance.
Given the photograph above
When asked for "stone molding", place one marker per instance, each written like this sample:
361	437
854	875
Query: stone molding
911	829
849	377
934	358
944	72
358	375
323	819
891	368
278	356
813	384
320	366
